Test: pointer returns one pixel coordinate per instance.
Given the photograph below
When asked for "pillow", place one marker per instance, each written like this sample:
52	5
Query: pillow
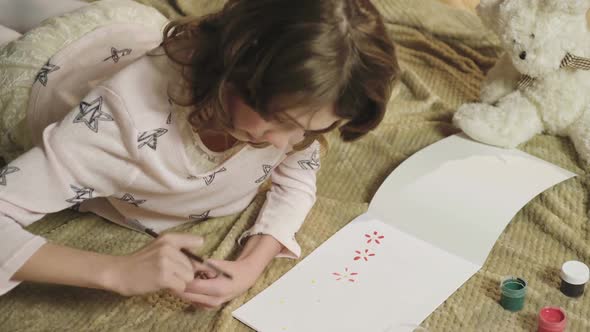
7	34
68	41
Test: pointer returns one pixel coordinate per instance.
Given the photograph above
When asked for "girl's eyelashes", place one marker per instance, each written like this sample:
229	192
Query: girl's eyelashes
286	125
325	130
285	122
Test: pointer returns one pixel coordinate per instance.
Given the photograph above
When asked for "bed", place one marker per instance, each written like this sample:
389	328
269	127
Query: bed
444	52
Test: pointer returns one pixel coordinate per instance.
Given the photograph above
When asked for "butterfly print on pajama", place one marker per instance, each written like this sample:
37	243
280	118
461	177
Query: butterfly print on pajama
82	194
267	171
210	178
117	54
5	171
42	76
128	198
90	114
311	164
199	217
150	138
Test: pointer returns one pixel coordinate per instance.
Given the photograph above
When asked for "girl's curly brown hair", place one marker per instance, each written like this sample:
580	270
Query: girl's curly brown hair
316	52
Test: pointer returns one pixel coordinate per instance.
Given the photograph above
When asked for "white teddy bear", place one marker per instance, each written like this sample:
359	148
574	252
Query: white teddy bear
542	81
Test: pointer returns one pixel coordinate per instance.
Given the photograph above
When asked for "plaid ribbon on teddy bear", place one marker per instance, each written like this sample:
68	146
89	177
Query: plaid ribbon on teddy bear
569	61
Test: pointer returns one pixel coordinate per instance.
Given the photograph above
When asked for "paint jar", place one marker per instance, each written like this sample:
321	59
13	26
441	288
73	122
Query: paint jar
513	291
552	319
574	276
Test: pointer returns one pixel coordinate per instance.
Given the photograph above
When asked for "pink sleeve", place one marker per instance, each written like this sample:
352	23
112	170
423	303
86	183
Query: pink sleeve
88	154
16	246
289	200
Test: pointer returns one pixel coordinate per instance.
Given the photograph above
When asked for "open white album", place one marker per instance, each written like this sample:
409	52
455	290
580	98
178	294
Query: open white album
429	228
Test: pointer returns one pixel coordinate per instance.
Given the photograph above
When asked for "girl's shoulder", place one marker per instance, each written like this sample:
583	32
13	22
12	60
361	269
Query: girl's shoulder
142	86
72	71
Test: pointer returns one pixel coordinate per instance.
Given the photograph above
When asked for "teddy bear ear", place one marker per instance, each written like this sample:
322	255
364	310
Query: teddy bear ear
488	11
568	6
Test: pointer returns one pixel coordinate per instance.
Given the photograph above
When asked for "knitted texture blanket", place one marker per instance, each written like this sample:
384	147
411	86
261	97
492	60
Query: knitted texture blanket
444	54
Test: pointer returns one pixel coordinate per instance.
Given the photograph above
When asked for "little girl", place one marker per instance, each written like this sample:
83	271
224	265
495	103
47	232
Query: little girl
255	86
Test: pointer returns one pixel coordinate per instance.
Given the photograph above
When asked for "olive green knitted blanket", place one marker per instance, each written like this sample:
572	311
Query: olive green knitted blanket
444	53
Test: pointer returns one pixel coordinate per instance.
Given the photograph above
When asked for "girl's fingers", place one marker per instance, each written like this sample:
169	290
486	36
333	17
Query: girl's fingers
202	300
182	272
210	287
205	275
180	264
201	266
175	284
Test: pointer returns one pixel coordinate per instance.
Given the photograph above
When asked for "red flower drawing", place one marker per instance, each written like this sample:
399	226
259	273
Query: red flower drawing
345	276
364	255
374	237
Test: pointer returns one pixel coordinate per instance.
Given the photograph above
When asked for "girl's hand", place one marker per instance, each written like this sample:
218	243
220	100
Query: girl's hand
210	290
158	265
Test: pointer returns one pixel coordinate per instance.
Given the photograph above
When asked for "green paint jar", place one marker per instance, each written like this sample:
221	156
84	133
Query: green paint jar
513	292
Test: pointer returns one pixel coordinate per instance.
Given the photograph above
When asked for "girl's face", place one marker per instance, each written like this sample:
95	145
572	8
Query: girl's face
249	126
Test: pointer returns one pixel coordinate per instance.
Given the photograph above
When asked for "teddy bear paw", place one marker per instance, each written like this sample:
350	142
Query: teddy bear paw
496	126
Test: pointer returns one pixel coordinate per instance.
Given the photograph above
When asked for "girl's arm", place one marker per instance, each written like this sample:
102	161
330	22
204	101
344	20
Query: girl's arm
273	235
83	156
212	290
259	251
291	197
57	264
74	163
159	265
